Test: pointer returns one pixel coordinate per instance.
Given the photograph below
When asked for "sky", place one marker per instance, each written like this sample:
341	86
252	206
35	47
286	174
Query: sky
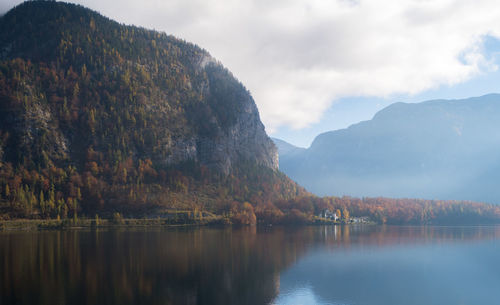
319	65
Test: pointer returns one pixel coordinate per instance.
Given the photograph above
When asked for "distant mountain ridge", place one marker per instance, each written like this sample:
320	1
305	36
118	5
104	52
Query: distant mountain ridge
286	148
440	149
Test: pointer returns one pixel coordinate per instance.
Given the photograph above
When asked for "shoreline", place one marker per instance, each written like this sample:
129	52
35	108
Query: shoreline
55	224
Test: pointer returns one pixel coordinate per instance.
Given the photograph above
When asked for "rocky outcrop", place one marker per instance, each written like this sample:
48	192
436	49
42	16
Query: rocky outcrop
243	139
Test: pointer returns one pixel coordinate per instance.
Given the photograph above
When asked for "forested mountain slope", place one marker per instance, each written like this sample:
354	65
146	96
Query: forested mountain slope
96	116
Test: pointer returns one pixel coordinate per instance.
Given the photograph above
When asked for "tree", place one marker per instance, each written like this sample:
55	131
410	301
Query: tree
245	214
345	215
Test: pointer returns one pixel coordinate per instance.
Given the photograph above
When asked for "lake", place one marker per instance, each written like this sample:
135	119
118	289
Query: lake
253	265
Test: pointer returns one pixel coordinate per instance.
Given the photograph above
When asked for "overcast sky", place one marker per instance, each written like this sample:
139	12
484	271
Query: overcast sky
314	65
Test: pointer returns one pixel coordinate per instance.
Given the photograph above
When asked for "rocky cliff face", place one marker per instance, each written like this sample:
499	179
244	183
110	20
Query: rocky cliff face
245	140
227	141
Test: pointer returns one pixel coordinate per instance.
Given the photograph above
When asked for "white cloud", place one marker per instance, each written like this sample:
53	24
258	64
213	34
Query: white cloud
298	56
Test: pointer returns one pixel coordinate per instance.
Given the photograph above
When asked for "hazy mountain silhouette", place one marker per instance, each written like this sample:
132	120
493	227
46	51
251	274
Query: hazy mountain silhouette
440	149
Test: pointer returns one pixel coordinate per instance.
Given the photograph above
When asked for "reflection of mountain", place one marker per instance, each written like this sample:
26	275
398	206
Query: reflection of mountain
201	266
399	265
205	266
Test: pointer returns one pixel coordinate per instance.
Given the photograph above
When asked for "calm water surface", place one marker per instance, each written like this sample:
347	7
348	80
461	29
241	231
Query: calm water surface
303	265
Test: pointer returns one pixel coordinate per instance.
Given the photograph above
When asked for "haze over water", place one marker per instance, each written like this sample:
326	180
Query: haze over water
280	265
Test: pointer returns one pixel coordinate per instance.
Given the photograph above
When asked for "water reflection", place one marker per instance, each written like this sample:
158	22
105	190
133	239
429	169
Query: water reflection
303	265
398	265
194	266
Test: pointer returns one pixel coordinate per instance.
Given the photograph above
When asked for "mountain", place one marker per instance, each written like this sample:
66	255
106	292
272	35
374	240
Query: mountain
96	116
440	149
286	149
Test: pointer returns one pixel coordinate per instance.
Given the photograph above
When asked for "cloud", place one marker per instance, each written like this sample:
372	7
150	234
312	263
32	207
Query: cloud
298	56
